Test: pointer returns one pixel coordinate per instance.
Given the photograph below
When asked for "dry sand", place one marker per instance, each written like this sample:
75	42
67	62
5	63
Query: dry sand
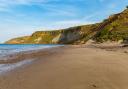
70	68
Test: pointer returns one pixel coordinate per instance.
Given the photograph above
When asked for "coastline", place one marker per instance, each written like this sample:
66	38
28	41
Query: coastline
17	60
70	67
24	55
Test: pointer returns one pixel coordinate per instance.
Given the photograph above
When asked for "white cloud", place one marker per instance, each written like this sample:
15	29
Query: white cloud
60	16
53	10
9	2
5	5
66	10
73	22
68	23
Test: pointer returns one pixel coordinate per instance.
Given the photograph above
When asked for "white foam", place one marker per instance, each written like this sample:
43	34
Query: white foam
12	49
8	67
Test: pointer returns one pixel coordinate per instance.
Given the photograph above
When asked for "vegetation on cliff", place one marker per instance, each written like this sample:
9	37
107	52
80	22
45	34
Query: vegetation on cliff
114	28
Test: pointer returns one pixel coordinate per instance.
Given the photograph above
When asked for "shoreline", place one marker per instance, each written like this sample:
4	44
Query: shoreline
35	55
23	55
70	67
15	61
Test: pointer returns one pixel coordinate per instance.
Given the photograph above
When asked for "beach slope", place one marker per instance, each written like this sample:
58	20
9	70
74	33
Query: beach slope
71	68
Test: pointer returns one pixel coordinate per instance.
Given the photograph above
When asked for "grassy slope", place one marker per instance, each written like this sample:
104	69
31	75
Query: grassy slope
114	28
46	37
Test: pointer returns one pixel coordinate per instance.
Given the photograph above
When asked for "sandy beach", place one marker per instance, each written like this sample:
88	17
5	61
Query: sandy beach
73	67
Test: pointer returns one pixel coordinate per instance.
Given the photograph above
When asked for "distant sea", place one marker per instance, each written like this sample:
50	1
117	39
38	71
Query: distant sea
6	49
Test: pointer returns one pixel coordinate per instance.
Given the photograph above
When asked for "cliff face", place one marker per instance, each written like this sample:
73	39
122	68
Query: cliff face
64	36
113	29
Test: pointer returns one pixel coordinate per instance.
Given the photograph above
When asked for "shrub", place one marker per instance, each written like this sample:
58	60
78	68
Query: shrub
127	7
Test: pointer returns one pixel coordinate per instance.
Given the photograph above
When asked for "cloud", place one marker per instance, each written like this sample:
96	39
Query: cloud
52	14
73	22
60	10
5	5
51	9
15	2
68	23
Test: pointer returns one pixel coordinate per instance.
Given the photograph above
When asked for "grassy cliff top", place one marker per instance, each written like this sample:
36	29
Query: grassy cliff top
113	29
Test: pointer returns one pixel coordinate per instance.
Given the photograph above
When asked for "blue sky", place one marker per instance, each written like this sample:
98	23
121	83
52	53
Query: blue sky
23	17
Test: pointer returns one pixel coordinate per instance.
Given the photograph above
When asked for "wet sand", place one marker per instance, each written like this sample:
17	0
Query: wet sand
70	68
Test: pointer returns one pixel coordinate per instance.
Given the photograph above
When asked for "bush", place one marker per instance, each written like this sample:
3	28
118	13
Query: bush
127	7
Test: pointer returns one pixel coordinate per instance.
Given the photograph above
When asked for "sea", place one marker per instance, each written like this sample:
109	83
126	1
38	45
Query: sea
7	49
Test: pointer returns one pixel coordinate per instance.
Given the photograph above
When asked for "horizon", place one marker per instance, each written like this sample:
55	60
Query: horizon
23	17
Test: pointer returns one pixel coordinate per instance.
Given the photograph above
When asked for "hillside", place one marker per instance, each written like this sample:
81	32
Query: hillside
64	36
114	28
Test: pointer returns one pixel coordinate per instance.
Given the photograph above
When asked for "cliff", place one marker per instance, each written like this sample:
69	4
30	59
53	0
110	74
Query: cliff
114	28
71	35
